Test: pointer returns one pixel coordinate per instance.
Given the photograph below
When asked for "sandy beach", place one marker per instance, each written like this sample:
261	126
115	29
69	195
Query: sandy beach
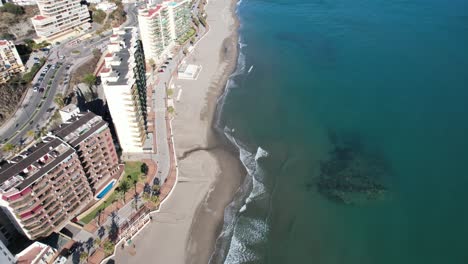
185	229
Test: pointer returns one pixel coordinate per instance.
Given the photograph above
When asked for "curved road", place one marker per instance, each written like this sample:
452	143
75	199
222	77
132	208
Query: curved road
33	111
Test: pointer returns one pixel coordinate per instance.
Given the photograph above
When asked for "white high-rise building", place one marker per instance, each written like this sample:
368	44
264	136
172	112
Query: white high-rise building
124	83
5	255
60	17
23	2
10	61
161	26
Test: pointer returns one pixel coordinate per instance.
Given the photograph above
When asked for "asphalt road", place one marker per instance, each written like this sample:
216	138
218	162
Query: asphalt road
33	111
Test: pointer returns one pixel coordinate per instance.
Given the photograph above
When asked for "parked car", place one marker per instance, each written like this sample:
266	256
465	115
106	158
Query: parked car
166	62
161	70
41	90
35	89
169	58
164	66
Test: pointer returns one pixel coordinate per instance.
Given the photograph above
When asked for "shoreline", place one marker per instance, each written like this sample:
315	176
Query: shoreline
187	225
227	157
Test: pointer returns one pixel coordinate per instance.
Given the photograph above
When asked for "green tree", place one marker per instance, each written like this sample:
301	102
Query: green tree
109	247
97	242
124	188
89	79
8	147
12	9
170	109
99	16
119	195
58	99
152	64
144	168
83	256
170	92
156	188
30	133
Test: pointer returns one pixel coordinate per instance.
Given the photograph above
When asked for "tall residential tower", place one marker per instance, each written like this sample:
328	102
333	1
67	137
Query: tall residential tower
10	61
124	83
60	17
161	26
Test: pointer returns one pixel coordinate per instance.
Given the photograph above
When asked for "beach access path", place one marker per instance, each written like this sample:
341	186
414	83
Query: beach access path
169	237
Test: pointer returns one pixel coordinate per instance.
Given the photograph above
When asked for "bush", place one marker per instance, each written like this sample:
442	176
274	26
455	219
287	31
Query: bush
99	16
12	9
29	76
7	36
109	247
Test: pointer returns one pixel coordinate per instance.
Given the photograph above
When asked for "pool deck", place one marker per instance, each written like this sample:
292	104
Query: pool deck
113	181
93	226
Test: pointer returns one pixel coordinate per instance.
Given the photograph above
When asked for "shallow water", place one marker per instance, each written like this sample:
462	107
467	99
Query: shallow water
390	75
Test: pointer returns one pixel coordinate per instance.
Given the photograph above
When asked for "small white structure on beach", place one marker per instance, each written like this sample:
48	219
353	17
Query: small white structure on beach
188	71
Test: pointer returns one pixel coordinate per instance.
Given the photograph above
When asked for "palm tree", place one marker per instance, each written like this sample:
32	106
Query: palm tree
30	133
108	247
152	64
8	147
124	188
58	99
83	256
119	196
89	79
96	242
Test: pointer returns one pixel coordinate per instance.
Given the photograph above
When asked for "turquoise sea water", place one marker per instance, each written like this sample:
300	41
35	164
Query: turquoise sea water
392	75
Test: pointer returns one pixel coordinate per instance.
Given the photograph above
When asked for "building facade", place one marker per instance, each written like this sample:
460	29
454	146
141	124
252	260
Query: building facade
5	255
161	26
10	61
90	136
23	2
60	17
124	82
48	184
43	187
36	253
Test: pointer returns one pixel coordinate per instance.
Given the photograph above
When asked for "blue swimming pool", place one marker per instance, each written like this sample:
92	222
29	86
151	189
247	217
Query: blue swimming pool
104	191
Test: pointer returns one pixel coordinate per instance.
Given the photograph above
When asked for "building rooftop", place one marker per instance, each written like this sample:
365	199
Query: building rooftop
80	127
120	63
35	253
69	108
32	163
39	17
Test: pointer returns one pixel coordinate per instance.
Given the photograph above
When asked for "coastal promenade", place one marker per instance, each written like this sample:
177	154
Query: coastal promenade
172	237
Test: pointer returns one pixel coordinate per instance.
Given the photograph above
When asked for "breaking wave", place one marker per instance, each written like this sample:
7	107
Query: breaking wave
240	231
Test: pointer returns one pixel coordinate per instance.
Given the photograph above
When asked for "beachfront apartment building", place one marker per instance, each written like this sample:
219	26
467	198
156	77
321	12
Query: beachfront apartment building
5	255
43	187
124	81
90	136
60	17
161	26
10	61
23	2
48	184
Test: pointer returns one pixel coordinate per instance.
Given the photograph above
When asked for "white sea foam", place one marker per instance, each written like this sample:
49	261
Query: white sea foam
249	232
243	208
238	253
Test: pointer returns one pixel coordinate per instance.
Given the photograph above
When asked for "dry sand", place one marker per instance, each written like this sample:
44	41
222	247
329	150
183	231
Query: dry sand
185	229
